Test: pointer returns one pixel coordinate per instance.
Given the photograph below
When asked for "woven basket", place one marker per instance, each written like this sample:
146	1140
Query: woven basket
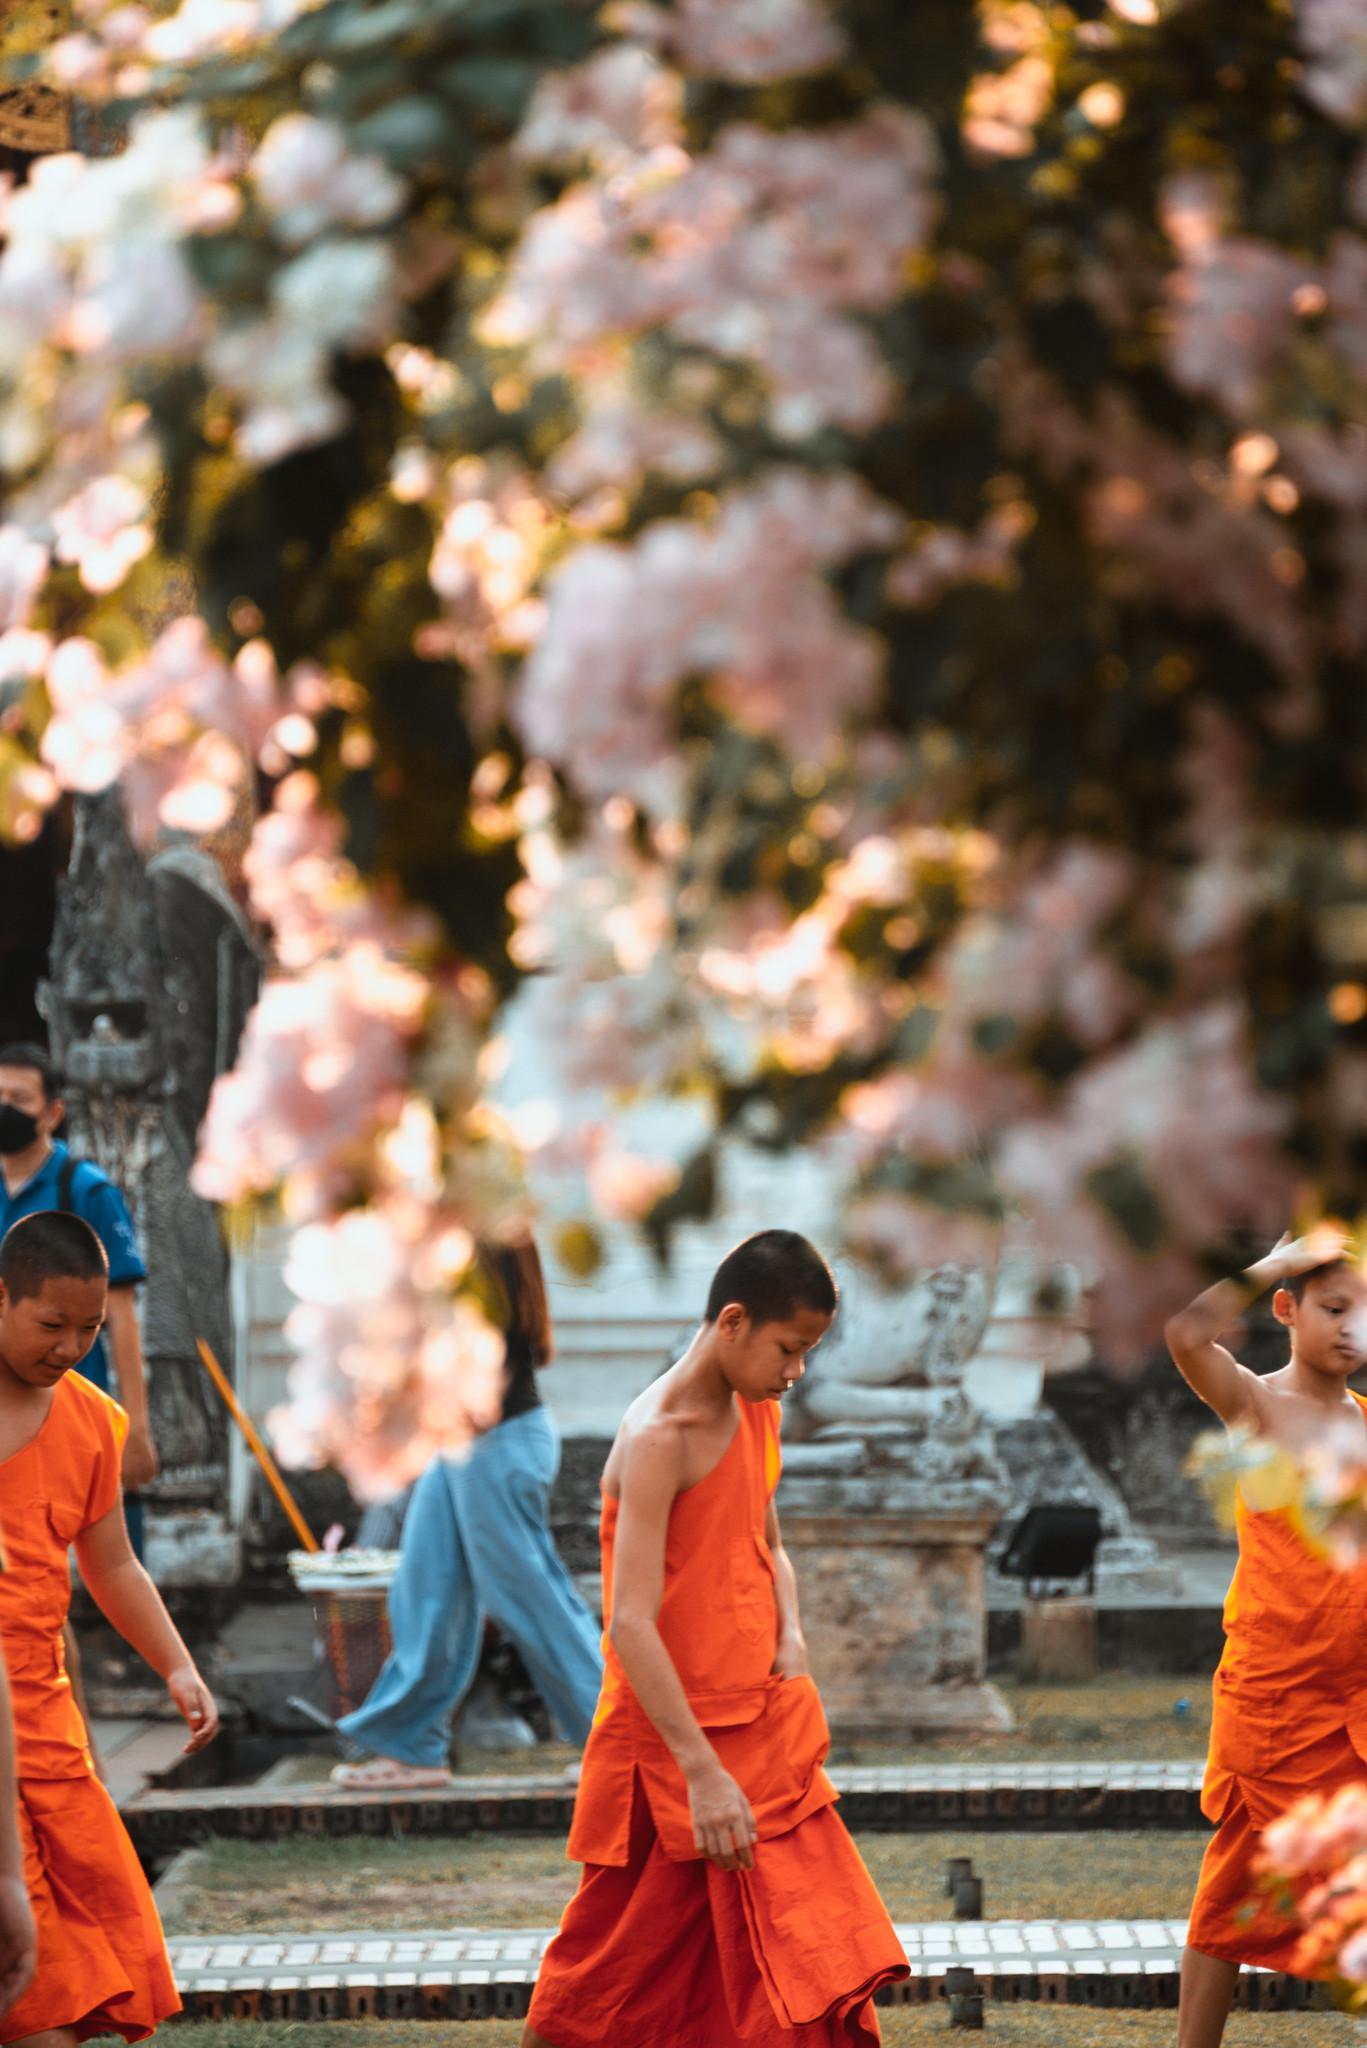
349	1598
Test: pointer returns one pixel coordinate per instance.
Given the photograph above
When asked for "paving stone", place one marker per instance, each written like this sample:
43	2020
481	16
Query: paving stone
997	1795
476	1973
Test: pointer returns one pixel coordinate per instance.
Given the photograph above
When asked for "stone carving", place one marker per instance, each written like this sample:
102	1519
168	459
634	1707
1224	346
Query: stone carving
884	1396
891	1489
151	975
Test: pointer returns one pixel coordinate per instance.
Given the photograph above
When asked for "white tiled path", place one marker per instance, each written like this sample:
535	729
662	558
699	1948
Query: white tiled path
991	1947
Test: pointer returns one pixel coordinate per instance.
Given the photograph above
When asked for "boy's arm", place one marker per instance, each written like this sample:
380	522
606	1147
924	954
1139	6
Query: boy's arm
791	1659
17	1939
1208	1369
723	1825
131	1603
140	1462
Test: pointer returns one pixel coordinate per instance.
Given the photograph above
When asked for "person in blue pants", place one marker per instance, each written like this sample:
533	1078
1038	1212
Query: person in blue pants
476	1541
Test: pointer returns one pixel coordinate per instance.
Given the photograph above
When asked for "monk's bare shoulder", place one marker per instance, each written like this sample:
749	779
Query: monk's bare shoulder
649	1448
1281	1415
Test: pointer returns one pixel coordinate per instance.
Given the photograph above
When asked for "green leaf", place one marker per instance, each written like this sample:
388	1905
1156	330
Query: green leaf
409	133
1126	1195
492	85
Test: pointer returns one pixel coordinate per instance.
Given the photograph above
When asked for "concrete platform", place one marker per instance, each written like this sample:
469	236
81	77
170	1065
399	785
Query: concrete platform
1005	1796
482	1973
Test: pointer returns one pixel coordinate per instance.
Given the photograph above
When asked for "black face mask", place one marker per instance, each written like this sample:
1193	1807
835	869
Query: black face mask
18	1130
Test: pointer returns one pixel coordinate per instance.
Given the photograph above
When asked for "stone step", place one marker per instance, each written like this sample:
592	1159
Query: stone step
1006	1796
483	1973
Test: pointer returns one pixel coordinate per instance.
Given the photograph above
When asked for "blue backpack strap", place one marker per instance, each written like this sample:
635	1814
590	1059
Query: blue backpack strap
66	1183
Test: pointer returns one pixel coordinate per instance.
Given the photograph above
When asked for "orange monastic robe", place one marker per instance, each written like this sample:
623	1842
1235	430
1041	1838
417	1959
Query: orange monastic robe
1290	1718
658	1947
102	1961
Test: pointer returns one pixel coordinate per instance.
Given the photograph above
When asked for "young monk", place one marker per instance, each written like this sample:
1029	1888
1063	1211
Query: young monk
102	1965
1290	1696
722	1900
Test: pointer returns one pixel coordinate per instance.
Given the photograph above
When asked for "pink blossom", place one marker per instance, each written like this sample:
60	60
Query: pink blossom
759	250
23	571
103	530
622	103
1003	108
311	897
621	440
1180	1106
902	1239
1234	312
281	375
1189	532
747	41
1318	1833
1333	35
320	1071
740	600
309	180
394	1366
943	558
488	556
626	1187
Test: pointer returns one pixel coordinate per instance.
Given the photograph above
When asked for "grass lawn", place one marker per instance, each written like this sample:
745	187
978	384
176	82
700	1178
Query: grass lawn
1013	2026
232	1887
1118	1715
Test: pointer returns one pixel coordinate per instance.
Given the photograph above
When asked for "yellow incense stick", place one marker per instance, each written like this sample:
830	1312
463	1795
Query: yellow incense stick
255	1445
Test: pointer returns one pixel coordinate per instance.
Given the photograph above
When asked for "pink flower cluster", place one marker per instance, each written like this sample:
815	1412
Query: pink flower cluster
761	250
1333	35
747	41
177	726
620	105
322	1069
395	1365
1180	1105
1317	1854
741	600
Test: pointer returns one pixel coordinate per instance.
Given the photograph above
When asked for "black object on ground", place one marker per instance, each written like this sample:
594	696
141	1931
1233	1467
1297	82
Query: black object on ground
956	1869
1053	1541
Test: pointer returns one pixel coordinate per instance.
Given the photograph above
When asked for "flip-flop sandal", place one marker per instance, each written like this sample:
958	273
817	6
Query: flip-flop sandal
386	1774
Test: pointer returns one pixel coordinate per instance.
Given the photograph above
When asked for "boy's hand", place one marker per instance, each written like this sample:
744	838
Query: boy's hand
792	1660
18	1943
723	1825
195	1703
1325	1245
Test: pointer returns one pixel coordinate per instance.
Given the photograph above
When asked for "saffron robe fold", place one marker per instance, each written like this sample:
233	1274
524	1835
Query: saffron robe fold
658	1946
102	1961
1289	1718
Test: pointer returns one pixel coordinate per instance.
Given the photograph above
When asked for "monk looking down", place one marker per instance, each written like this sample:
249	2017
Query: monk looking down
1290	1696
721	1900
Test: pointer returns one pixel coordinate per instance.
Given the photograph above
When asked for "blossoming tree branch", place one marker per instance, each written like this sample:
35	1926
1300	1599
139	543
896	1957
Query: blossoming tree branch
827	545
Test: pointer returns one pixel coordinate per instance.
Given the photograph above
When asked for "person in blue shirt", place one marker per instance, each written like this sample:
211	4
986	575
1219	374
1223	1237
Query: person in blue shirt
37	1171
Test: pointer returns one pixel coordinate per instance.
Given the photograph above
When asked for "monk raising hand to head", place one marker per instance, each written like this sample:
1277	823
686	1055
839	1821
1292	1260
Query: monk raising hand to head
1290	1696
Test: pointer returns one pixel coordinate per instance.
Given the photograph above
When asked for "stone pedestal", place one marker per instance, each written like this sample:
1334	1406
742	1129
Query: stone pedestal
1058	1640
893	1605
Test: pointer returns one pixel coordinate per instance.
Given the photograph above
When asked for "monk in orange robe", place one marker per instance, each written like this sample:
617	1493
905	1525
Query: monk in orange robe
102	1965
722	1901
1290	1694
